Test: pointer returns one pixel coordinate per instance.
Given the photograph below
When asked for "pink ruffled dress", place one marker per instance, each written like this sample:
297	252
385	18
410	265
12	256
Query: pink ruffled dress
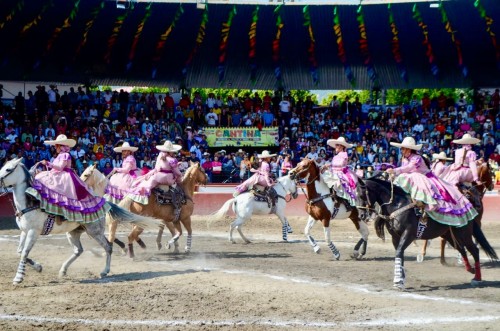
438	168
120	183
166	172
61	192
261	177
444	203
341	178
464	169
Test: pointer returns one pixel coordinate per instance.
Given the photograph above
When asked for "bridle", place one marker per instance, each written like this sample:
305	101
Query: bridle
5	189
293	195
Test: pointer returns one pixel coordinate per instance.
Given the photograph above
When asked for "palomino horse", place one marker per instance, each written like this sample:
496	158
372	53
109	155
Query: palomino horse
398	215
244	206
477	192
321	207
193	176
33	222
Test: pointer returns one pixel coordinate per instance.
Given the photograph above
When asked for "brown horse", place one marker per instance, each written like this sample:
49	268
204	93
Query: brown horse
193	176
322	207
477	192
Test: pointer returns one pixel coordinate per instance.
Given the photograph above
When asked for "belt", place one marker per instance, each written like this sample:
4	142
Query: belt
167	171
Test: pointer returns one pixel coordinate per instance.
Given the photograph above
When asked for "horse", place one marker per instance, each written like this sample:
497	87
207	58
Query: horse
33	222
193	176
245	205
396	213
98	182
477	192
322	207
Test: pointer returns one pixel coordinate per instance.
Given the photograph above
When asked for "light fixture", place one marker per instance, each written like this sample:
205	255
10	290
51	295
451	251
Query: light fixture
201	4
434	5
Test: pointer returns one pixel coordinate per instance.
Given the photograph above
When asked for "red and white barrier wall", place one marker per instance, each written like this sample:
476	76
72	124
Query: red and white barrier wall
210	198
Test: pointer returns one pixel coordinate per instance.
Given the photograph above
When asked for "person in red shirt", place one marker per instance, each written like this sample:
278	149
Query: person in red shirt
169	101
426	102
185	101
99	154
441	128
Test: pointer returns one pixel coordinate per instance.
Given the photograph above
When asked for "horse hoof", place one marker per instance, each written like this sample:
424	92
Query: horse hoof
38	267
187	250
399	285
248	242
103	274
336	257
17	281
168	245
471	270
475	282
289	230
159	246
355	255
420	258
316	249
62	274
176	251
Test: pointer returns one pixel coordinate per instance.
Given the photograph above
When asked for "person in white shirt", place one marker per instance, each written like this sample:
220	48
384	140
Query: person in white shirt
418	127
295	119
211	118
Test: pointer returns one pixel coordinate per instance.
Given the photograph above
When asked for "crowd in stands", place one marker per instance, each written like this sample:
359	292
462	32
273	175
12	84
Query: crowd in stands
97	120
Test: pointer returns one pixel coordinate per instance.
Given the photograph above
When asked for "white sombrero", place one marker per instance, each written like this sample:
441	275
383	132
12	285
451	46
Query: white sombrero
441	156
265	155
408	142
466	139
61	140
125	147
169	147
340	141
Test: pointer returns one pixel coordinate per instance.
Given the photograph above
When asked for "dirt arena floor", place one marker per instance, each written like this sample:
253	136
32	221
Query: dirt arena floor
265	285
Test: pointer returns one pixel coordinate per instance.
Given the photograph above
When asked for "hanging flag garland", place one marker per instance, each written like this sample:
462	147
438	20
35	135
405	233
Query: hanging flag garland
454	39
363	45
199	40
489	22
137	35
311	50
95	12
114	34
341	50
276	46
17	8
163	40
395	47
252	35
57	31
429	52
226	28
37	19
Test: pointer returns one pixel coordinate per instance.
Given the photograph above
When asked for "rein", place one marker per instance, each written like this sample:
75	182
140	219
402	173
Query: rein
6	191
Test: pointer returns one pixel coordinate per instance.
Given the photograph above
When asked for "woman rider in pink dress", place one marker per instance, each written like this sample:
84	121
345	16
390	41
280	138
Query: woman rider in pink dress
464	169
261	176
166	172
441	201
339	177
61	192
122	178
439	165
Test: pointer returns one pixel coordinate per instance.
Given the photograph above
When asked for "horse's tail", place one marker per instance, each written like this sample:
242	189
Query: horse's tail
124	216
379	227
485	245
219	215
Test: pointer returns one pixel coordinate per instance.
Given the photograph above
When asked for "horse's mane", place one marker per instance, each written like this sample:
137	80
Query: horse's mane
398	191
28	176
189	171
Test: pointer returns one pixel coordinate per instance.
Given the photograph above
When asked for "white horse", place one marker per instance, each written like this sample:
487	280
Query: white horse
244	206
98	182
34	222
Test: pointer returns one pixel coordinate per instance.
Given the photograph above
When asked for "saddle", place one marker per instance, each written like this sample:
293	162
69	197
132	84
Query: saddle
338	200
169	195
266	194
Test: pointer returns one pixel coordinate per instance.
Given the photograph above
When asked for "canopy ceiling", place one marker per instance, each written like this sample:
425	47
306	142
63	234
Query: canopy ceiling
46	50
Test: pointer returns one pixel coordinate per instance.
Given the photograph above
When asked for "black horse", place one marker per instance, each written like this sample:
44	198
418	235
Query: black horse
397	214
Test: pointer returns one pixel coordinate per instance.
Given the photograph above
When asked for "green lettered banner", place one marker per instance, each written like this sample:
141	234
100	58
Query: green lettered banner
242	136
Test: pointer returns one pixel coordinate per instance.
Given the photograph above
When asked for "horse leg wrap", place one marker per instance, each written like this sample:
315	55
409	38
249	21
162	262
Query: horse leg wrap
284	232
334	250
313	244
399	278
21	271
141	243
289	228
119	243
364	246
466	263
477	266
189	240
131	251
174	239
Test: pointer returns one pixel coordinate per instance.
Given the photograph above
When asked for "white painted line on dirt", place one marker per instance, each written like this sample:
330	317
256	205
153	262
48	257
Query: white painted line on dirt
362	288
294	323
